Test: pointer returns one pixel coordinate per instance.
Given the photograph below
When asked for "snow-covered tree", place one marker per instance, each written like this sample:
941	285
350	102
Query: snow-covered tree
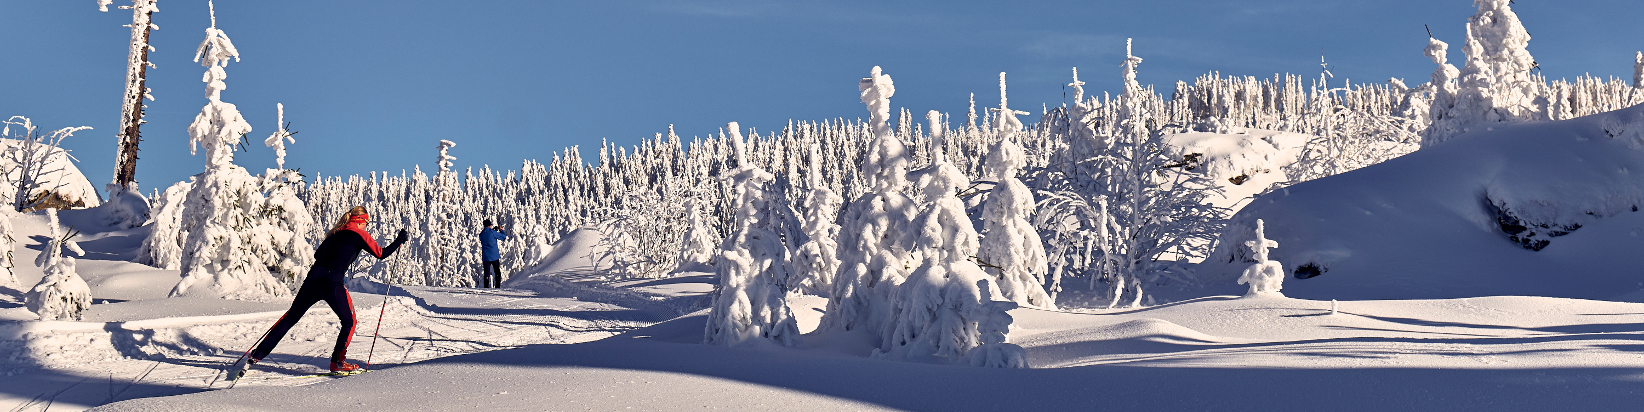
872	226
750	303
61	294
131	110
701	245
445	158
1496	84
239	231
1011	247
818	259
1264	276
937	312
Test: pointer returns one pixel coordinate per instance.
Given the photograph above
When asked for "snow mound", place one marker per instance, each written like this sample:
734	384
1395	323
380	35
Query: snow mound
1543	208
571	254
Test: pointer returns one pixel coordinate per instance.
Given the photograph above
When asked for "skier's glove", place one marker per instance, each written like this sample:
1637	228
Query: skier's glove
401	237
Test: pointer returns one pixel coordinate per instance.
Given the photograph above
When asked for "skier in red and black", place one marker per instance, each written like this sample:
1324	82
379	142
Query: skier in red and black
325	282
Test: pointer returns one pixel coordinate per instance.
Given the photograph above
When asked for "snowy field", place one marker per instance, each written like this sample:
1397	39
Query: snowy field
563	340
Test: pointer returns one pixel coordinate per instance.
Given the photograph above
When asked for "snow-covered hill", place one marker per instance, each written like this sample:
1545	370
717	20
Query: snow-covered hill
1463	218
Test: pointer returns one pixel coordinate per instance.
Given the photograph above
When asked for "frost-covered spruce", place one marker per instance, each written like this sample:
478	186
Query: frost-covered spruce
163	248
239	231
701	244
750	302
817	261
935	313
1495	85
1444	93
61	294
1264	276
1011	246
872	261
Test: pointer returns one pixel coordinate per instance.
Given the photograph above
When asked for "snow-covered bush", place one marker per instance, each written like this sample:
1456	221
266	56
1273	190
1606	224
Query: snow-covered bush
239	231
8	244
643	234
1011	248
750	302
1142	215
817	261
40	173
872	259
126	207
61	294
1264	276
163	248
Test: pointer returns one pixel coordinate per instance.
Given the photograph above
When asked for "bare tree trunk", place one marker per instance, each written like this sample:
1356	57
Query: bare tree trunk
131	110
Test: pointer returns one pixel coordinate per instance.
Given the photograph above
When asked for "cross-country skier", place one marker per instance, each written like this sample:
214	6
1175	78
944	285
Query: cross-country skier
325	282
491	268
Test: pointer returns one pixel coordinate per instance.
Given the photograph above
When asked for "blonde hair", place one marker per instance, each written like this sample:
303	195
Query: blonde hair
343	222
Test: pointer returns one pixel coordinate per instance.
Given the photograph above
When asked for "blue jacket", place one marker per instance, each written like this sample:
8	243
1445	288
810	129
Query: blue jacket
488	244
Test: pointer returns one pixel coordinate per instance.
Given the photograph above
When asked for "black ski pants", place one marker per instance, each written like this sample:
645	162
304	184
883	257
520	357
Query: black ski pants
314	289
491	273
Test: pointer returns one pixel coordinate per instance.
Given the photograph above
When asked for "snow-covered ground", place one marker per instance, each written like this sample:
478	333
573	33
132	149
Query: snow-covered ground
134	342
565	338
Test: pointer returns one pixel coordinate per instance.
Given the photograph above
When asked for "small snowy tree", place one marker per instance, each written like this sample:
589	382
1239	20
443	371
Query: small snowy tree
750	302
872	226
701	245
61	294
1264	276
1011	247
818	259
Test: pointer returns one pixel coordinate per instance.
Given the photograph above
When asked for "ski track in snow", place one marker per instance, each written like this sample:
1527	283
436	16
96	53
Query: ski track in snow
75	365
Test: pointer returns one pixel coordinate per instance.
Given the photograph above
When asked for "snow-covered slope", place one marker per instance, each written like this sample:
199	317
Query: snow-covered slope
1436	223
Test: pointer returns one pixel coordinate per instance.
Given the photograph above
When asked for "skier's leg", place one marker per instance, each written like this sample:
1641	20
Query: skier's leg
343	305
307	295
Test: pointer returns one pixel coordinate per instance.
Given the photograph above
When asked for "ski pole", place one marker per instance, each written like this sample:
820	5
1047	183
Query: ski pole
380	311
248	350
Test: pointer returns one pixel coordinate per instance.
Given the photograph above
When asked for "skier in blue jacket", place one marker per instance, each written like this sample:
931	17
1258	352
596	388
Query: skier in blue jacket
491	269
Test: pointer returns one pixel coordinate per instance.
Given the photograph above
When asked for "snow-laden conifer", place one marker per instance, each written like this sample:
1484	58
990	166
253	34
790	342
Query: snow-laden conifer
934	315
1496	84
872	260
61	294
1638	70
750	302
243	235
817	261
1264	276
1011	247
701	246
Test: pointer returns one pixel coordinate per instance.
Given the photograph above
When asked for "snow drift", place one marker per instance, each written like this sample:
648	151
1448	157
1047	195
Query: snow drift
1540	208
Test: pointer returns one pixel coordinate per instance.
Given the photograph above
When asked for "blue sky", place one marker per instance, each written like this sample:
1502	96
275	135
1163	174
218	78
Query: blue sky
373	86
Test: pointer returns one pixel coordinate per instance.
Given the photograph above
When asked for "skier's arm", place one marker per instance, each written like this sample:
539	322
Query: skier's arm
398	240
